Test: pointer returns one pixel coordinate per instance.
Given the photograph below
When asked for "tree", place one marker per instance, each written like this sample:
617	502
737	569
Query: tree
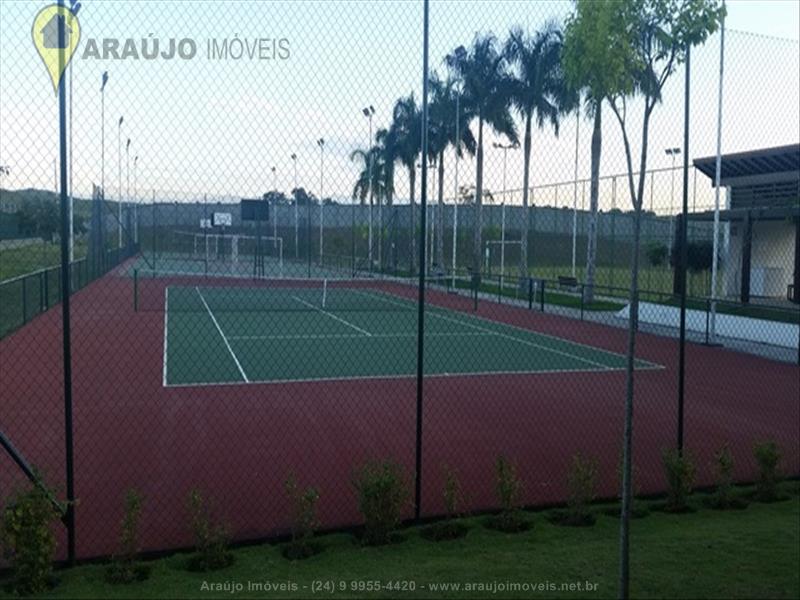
386	140
275	197
303	197
487	95
597	61
699	256
539	91
369	178
406	129
446	127
651	38
657	253
39	218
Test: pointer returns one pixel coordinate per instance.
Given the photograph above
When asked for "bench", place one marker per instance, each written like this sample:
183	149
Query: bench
567	282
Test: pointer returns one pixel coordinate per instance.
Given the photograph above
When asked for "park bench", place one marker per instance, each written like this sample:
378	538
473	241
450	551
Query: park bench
566	282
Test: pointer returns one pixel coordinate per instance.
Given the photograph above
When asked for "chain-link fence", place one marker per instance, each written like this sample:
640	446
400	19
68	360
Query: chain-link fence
222	345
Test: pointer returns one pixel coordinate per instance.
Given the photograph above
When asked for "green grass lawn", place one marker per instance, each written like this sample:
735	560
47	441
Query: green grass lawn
27	259
752	553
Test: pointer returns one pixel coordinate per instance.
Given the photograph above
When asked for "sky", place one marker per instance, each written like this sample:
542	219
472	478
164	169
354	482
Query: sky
215	128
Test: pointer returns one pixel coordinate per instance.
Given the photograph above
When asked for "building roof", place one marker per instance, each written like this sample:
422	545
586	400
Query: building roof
780	213
765	161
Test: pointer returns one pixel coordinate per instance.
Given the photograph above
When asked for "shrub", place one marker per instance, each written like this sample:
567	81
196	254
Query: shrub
724	496
768	456
382	491
124	567
453	494
582	484
304	520
699	256
450	528
210	537
680	473
509	485
509	489
28	540
657	254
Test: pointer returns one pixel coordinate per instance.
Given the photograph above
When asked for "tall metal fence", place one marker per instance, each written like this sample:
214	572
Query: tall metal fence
216	353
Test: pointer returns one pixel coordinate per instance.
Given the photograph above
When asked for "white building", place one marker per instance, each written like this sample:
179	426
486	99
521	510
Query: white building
760	253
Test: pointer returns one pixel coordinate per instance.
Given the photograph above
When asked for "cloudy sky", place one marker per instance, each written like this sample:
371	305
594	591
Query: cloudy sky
204	125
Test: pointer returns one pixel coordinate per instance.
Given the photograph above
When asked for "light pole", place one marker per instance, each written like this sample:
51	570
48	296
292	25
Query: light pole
103	82
128	176
717	183
457	90
369	112
505	148
296	217
274	208
119	179
135	202
321	144
575	192
71	206
672	152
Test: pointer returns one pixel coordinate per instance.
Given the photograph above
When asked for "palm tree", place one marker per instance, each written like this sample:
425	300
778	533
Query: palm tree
372	179
449	125
540	92
406	130
487	94
369	178
386	140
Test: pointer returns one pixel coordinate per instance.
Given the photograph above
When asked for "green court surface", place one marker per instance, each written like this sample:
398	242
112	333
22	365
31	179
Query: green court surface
228	335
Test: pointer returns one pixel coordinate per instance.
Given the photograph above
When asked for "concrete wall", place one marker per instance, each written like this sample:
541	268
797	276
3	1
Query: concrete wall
553	220
772	259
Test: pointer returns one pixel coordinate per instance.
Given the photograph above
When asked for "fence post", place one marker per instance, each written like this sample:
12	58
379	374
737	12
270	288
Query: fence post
41	290
46	279
541	292
24	301
530	293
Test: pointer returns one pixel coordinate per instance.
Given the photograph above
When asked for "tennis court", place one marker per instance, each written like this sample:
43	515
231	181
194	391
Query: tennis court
327	330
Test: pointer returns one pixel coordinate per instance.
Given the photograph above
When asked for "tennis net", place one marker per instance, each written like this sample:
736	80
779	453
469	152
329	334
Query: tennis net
189	292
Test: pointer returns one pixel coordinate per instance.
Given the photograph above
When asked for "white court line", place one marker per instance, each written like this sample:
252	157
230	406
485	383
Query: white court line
497	333
166	326
325	312
408	376
349	336
222	334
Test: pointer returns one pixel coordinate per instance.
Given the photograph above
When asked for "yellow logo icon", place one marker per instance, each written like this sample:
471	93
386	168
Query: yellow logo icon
56	33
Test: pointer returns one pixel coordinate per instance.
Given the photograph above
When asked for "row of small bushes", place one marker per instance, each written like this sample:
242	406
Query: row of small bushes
383	491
